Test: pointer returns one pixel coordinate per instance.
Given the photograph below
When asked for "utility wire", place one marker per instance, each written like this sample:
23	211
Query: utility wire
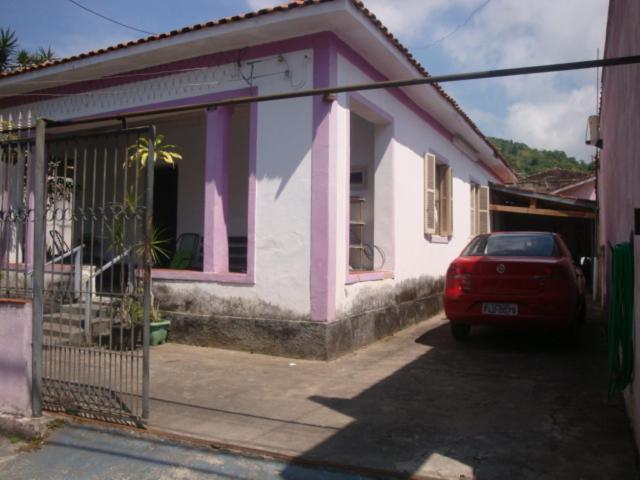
104	17
455	30
330	92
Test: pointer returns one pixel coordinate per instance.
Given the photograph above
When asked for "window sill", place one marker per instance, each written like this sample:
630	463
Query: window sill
367	276
195	276
438	239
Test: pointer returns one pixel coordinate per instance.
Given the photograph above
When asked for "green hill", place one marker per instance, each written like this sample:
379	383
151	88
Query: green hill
527	161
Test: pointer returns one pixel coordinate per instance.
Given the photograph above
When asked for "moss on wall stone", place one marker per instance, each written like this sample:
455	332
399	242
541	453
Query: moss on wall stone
240	324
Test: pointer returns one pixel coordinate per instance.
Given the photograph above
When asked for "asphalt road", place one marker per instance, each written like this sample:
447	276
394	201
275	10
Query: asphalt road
84	452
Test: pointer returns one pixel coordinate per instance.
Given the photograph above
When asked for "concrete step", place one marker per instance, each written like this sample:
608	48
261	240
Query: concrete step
97	308
74	319
62	325
61	333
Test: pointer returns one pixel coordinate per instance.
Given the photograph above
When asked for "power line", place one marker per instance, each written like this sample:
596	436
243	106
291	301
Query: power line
328	92
104	17
455	30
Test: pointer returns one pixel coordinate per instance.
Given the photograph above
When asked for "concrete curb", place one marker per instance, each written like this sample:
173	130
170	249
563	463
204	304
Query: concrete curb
188	440
24	427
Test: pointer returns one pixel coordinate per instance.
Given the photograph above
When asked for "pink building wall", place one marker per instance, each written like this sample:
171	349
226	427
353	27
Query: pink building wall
619	175
15	357
585	191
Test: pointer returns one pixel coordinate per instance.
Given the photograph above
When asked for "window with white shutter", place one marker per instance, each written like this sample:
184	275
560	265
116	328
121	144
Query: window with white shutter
484	222
438	197
473	208
430	223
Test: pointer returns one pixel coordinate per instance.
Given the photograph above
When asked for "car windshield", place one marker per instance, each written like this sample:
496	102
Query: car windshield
520	245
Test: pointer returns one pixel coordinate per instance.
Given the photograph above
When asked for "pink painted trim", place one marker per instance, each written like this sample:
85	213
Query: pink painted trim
194	276
158	71
383	117
251	208
372	276
216	192
323	273
365	67
209	235
181	102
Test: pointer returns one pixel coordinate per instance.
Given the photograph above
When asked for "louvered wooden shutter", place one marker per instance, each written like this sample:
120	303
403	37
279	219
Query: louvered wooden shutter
447	202
429	194
483	210
472	207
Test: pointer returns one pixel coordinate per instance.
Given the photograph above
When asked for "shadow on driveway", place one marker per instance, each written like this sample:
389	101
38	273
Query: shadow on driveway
503	405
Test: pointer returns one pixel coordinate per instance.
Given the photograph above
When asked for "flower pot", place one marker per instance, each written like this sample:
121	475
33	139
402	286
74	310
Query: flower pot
125	338
158	332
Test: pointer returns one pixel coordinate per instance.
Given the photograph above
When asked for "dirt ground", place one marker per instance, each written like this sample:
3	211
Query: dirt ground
505	404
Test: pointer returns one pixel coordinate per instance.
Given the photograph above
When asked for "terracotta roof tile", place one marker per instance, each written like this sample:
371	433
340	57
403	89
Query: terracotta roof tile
262	12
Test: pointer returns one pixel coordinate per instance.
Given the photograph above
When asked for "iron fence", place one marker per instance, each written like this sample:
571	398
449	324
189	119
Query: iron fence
75	237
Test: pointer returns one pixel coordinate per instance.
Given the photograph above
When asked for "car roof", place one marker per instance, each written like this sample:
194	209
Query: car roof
524	232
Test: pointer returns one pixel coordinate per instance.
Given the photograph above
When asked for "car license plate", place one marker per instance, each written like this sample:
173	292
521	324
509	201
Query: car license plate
506	309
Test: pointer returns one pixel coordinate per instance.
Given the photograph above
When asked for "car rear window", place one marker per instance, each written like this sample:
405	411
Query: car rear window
524	245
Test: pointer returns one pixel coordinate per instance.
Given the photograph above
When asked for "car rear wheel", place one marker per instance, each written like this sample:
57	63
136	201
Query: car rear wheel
460	331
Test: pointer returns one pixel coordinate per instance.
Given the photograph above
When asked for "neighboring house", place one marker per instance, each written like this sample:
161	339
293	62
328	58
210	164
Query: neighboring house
563	182
327	222
619	164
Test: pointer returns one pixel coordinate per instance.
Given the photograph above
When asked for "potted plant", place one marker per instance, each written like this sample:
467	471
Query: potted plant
158	327
130	311
126	331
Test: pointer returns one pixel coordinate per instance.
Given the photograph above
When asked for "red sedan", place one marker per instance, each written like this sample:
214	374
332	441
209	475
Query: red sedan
514	279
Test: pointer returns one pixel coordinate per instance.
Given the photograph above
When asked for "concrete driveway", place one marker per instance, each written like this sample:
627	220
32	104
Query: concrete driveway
502	405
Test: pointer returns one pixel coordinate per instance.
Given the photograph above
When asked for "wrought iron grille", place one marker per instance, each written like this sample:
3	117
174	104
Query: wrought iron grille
76	237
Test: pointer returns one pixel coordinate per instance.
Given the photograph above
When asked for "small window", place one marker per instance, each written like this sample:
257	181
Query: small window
479	209
438	197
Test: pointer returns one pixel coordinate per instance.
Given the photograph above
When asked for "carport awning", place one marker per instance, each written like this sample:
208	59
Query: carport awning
516	200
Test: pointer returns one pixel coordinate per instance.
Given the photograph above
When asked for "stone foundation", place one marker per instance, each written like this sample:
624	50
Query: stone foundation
374	315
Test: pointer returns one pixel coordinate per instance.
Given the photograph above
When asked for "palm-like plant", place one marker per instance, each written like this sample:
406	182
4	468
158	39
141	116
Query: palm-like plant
139	152
23	58
44	55
8	46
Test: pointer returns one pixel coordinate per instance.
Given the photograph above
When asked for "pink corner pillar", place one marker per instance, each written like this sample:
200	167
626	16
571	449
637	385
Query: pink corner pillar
323	187
216	192
15	357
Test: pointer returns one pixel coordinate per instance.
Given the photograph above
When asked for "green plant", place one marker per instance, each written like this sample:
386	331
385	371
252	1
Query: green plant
128	311
11	57
8	46
139	152
138	156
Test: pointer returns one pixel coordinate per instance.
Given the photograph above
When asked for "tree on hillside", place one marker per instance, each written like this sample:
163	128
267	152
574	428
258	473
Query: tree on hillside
527	161
11	57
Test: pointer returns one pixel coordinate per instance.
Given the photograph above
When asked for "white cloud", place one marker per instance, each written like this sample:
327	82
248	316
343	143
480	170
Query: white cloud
555	124
546	111
550	110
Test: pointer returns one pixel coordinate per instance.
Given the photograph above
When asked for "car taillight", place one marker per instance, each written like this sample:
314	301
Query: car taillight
459	278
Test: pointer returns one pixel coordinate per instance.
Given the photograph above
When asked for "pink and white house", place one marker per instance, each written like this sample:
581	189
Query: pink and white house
326	222
619	165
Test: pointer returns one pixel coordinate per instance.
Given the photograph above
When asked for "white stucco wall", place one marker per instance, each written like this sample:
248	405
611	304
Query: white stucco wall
414	255
283	166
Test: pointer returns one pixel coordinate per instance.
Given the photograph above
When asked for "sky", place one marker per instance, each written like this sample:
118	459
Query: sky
447	36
